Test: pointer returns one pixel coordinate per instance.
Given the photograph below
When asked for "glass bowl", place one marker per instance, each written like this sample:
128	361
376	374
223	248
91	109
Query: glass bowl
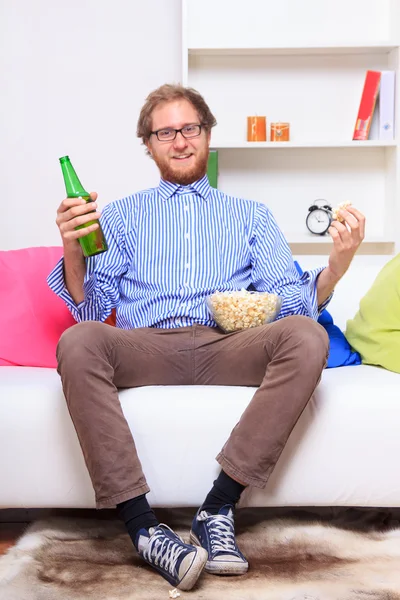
236	310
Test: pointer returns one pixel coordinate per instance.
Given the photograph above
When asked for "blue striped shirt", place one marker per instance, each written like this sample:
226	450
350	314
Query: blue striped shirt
172	246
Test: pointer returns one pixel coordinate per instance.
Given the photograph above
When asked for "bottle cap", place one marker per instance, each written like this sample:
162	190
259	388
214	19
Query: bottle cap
64	159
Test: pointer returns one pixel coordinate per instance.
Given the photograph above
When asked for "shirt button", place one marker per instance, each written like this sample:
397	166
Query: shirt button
186	236
187	265
186	208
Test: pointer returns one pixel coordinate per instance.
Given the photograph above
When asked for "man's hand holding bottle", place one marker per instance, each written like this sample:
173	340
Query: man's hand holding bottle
77	212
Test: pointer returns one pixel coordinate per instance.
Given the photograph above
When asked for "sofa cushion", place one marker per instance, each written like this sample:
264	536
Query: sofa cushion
375	330
32	317
340	352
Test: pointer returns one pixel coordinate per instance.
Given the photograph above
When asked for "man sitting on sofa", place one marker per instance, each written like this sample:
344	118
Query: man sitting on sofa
169	248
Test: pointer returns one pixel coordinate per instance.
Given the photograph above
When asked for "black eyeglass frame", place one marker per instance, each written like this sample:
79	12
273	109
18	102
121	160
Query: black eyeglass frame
199	125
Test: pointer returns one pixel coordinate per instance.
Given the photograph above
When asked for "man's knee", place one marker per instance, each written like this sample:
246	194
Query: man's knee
305	334
75	342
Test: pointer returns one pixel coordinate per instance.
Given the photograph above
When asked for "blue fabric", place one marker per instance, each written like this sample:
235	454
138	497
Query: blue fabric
340	352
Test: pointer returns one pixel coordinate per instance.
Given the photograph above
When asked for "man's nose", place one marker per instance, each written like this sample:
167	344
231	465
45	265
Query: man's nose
180	141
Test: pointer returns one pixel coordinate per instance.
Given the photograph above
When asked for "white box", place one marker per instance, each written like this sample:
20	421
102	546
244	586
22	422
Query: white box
386	106
382	126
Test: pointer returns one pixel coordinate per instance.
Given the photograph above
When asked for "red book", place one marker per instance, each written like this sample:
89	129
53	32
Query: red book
367	105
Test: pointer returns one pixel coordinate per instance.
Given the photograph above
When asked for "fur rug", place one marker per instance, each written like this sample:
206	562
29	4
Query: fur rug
290	559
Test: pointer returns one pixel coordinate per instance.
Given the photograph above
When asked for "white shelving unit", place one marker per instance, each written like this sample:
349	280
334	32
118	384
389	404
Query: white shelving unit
304	63
332	144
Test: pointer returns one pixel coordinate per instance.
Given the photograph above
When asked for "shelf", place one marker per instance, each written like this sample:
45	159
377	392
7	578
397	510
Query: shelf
308	68
280	145
309	244
367	248
309	238
378	48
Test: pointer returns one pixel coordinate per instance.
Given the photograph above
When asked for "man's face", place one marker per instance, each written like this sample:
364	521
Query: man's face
181	160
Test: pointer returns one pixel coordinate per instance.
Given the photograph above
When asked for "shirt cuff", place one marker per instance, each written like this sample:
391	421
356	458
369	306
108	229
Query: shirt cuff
309	293
56	283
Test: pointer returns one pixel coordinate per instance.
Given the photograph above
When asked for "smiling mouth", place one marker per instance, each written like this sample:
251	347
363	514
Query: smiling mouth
183	157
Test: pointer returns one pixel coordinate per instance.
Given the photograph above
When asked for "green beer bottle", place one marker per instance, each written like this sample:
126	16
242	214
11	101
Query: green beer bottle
94	242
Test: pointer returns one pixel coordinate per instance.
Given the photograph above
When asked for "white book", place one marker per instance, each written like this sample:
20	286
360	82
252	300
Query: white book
382	125
386	105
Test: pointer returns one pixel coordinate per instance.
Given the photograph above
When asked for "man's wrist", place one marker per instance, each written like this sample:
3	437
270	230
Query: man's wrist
330	277
326	283
72	248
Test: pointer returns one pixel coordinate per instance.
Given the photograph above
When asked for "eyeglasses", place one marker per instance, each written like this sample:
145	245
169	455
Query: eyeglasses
169	134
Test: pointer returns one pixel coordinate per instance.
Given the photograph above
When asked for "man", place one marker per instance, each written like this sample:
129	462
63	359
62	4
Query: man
169	248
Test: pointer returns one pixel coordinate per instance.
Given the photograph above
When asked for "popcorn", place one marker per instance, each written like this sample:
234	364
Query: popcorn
335	215
174	593
237	310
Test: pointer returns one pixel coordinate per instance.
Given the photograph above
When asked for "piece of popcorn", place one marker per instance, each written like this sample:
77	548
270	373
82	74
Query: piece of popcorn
174	593
335	215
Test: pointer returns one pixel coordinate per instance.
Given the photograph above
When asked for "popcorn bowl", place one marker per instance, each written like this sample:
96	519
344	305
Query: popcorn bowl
236	310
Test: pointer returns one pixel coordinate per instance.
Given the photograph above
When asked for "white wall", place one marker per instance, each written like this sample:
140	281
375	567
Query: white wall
73	77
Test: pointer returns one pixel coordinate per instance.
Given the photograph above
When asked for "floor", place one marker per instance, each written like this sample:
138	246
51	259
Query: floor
13	522
9	533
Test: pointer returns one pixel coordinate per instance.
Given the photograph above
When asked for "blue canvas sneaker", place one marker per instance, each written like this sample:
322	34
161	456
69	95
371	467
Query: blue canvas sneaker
216	533
179	563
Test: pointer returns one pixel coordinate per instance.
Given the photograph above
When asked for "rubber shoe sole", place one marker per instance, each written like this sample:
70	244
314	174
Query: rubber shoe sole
194	571
226	567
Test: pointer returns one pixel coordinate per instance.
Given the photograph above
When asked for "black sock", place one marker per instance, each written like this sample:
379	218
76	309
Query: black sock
136	514
225	491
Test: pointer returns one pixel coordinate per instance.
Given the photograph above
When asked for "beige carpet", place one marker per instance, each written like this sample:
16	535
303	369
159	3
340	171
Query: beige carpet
296	558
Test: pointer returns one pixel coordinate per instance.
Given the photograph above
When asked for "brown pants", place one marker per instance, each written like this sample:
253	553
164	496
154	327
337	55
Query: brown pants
284	360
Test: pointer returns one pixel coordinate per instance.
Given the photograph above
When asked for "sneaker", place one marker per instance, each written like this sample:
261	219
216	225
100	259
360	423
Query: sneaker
216	533
179	563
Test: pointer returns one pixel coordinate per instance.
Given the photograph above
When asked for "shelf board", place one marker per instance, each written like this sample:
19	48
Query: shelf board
281	145
367	248
309	238
377	48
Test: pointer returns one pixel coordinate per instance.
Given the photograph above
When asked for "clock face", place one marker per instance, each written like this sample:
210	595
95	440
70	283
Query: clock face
318	221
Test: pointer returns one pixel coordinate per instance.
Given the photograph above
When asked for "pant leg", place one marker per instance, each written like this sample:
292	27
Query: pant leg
285	359
94	360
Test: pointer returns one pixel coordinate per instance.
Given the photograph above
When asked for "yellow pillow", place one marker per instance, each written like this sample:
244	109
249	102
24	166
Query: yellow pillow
375	330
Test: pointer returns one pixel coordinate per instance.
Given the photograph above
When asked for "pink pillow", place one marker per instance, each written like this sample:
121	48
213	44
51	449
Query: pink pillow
32	317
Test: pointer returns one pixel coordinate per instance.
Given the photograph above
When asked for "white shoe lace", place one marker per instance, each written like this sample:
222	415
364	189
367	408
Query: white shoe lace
221	532
163	551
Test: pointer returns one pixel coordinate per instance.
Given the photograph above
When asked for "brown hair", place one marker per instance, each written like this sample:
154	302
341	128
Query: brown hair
167	93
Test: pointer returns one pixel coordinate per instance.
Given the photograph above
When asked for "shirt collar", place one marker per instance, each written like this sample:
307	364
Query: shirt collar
201	187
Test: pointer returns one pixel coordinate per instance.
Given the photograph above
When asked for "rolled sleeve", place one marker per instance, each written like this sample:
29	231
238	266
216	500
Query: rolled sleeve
103	271
56	282
308	281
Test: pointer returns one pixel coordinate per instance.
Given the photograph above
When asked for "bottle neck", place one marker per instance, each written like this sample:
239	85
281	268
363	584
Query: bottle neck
73	186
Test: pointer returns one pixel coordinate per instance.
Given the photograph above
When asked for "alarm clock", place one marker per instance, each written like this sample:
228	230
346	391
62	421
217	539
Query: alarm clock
319	218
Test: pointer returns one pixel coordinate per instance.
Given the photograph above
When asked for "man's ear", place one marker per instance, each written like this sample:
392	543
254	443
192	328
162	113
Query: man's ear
148	146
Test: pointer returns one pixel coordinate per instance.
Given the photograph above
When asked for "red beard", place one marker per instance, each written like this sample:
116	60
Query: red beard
184	176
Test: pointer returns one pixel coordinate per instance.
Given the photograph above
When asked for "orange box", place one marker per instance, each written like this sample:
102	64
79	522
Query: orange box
280	132
256	129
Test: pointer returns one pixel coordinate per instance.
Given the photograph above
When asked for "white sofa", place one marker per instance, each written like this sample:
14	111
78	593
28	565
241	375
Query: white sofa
344	450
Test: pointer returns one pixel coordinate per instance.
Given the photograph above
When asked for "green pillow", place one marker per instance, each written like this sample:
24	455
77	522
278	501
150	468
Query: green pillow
375	330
